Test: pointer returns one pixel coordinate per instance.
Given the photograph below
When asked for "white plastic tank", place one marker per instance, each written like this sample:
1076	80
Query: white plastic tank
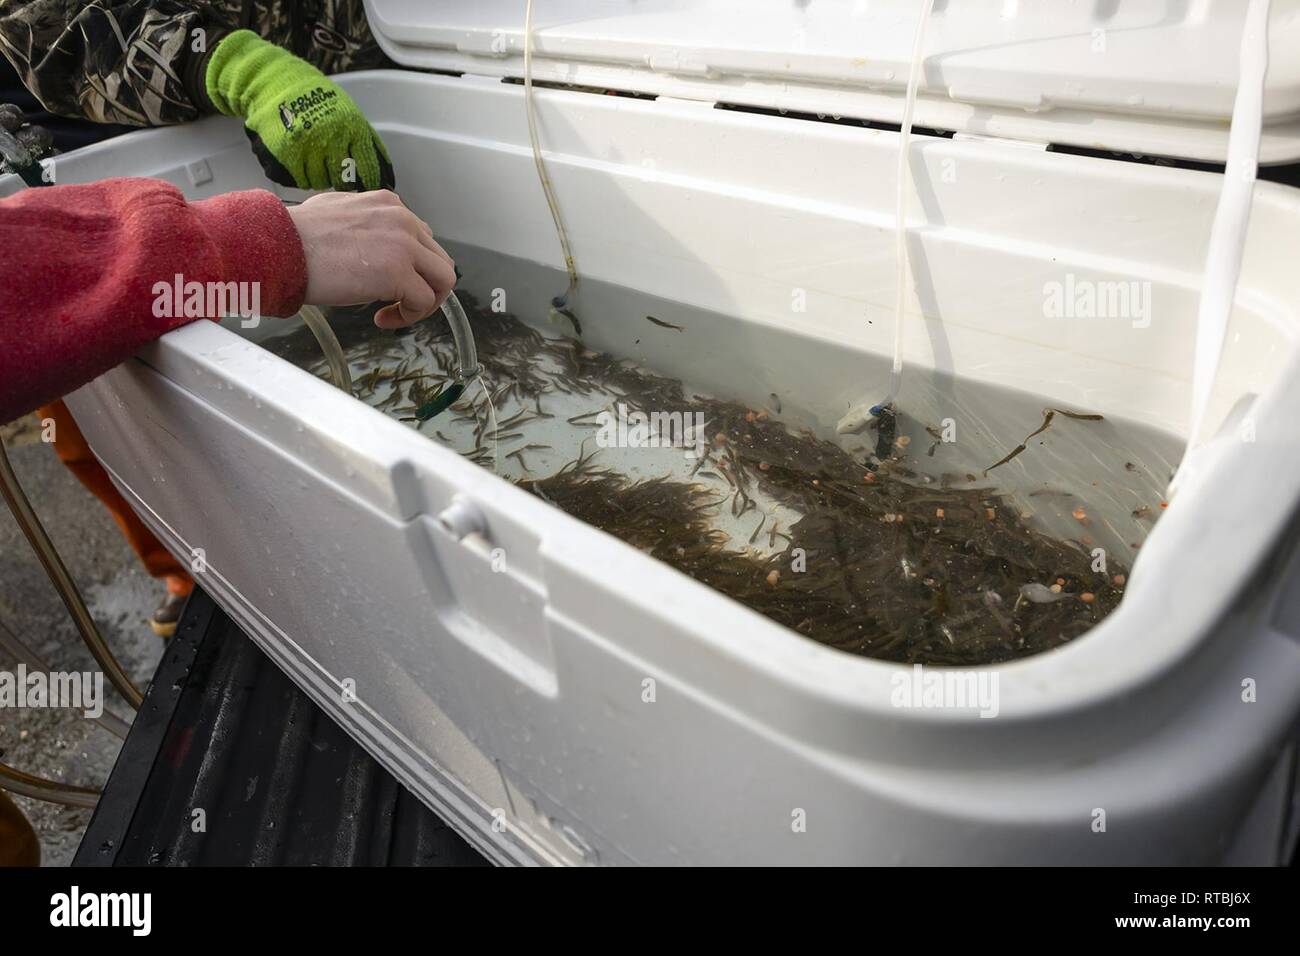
590	705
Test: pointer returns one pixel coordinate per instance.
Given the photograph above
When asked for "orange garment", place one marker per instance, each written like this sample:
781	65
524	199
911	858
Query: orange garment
71	447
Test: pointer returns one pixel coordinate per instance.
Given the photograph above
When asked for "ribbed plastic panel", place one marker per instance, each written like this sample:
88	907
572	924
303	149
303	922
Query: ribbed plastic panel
229	764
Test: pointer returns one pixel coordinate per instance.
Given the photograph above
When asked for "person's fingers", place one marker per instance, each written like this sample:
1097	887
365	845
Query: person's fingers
302	174
297	172
427	240
387	197
363	151
390	317
383	162
275	170
438	272
416	301
328	172
402	261
342	169
419	298
317	169
423	226
396	316
406	221
387	177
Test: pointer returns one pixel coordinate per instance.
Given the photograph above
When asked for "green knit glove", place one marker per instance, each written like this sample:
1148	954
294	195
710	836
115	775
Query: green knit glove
305	130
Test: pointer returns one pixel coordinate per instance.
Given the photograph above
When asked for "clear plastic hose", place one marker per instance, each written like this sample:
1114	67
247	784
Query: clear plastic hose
315	320
900	211
563	303
461	333
63	583
1228	232
463	336
38	788
18	649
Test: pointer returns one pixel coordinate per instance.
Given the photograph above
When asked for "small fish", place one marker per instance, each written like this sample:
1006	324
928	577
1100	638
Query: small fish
1048	415
664	325
558	308
1002	461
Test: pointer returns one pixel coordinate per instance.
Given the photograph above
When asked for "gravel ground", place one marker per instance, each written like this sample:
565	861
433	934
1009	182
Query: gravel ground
58	743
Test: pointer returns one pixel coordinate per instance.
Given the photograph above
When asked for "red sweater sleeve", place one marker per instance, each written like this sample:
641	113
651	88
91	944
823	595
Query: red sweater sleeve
79	266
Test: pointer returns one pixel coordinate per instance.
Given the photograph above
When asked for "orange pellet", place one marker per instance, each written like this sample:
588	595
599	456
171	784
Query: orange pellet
1061	581
1087	597
1119	580
763	466
938	512
868	477
719	439
750	416
902	441
773	578
1055	589
990	513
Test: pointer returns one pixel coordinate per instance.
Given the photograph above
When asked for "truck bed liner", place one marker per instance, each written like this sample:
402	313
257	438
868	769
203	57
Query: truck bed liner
224	732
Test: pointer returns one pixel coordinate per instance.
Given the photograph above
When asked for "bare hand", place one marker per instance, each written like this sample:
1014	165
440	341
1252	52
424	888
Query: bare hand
366	246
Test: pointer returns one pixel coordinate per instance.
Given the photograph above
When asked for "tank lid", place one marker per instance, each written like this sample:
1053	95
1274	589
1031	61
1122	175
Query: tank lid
1152	77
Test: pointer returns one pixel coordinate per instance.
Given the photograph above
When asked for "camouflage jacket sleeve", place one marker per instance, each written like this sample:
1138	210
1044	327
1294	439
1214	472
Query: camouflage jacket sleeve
137	62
